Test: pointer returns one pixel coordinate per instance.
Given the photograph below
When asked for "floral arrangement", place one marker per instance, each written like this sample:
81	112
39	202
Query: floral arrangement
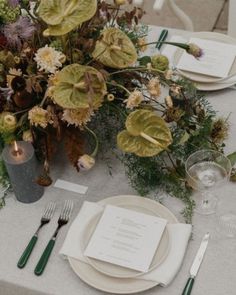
75	71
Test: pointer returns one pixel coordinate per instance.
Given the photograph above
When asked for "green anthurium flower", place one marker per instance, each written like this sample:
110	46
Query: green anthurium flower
114	49
146	134
79	86
62	16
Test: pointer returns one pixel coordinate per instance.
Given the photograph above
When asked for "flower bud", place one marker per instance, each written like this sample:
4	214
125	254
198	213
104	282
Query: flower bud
85	162
160	62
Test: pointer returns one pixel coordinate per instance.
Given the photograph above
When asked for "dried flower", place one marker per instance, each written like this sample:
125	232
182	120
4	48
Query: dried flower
219	130
27	136
85	162
154	87
168	74
134	99
194	50
169	101
12	74
77	117
142	44
21	30
13	3
48	59
39	117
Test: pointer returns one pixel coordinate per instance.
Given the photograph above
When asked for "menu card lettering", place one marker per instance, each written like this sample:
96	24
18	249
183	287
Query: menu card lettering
126	238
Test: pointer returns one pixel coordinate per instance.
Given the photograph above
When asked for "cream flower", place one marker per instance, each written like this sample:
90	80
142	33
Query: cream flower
134	99
168	74
142	44
169	101
154	87
77	117
27	136
49	59
39	117
85	162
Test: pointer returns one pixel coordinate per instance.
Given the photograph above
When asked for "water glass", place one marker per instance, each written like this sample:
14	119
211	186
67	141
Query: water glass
206	170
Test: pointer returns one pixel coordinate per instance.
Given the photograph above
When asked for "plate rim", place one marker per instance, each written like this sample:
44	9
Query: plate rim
134	285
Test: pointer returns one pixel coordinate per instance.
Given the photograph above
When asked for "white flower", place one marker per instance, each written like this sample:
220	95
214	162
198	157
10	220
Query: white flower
85	162
48	59
134	99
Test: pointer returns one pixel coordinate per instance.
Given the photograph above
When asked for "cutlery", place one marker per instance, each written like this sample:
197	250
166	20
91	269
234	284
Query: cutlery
63	219
196	264
47	215
162	38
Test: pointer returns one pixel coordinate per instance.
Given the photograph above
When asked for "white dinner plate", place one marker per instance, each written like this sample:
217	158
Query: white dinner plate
118	271
114	285
204	79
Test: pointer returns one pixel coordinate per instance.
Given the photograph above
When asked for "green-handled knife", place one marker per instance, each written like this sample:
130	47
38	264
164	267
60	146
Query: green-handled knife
196	264
162	38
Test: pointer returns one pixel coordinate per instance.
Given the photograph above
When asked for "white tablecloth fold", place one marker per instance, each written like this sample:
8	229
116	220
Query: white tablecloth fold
178	234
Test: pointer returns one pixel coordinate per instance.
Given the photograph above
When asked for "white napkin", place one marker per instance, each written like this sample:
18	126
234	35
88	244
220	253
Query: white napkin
178	233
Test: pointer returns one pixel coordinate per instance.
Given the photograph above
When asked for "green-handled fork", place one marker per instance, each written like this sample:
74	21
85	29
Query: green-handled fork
47	215
63	219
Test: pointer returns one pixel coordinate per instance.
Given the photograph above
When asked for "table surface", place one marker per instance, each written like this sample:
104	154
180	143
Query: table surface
18	222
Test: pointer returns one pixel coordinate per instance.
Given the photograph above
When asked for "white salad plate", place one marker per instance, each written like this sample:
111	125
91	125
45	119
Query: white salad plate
120	285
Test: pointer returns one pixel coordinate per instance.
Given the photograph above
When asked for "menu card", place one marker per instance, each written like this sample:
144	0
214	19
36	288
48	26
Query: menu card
126	238
216	61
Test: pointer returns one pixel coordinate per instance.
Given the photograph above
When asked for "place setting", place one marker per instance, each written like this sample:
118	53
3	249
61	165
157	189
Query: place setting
126	244
215	69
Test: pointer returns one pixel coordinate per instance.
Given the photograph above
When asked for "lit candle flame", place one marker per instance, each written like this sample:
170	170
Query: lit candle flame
16	150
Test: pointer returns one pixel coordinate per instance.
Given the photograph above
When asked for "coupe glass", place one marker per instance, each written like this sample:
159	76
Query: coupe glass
206	170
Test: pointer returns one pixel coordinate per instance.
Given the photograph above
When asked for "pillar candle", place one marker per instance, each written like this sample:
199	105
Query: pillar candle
22	167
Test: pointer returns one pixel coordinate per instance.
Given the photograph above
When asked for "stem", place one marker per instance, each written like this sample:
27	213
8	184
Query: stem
94	153
171	160
137	69
120	86
177	44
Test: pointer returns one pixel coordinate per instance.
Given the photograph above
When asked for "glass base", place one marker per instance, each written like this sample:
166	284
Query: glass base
226	224
206	207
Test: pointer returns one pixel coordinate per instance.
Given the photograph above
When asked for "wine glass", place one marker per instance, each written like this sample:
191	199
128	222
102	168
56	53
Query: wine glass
205	171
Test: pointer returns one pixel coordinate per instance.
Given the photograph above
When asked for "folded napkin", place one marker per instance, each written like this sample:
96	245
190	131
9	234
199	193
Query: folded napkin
178	234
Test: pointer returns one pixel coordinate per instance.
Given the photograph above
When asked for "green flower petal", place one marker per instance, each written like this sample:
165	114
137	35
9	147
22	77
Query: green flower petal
62	16
79	86
114	49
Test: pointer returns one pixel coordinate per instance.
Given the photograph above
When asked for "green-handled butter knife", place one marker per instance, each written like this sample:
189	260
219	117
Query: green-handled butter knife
196	264
162	38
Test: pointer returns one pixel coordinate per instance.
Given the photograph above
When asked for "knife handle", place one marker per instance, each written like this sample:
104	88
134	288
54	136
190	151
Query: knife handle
162	38
188	287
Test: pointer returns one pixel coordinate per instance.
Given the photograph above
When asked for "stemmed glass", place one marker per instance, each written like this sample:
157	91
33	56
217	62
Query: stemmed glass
206	170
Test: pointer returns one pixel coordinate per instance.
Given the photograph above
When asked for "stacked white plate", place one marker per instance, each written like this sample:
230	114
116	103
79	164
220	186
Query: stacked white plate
115	279
204	82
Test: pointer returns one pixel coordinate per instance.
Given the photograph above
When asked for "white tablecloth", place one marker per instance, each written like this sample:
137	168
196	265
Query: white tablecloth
18	221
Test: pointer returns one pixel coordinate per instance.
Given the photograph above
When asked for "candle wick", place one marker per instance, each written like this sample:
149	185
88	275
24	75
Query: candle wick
17	152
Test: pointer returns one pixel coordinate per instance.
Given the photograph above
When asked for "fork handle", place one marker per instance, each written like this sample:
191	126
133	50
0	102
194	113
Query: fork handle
28	250
44	258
